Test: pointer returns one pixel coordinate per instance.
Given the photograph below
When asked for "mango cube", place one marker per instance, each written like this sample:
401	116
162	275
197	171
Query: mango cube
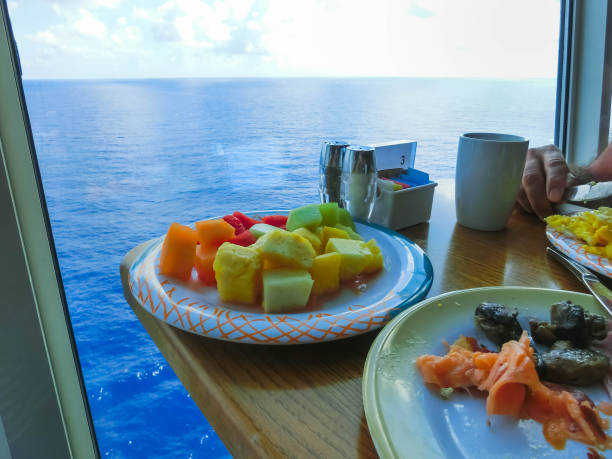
238	273
178	252
325	273
311	237
285	249
376	263
285	289
328	232
355	256
306	216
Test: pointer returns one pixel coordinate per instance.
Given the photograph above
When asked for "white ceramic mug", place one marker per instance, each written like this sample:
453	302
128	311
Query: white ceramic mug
488	178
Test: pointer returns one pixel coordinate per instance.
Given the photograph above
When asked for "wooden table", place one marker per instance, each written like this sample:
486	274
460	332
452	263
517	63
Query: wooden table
305	400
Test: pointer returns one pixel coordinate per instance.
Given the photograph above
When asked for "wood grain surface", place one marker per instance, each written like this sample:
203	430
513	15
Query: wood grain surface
305	400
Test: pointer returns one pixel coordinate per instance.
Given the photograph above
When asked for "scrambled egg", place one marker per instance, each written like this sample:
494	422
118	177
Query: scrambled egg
593	227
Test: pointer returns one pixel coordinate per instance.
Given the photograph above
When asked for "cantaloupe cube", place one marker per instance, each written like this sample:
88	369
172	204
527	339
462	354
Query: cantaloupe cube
311	237
308	216
213	233
355	256
285	249
325	273
285	289
204	259
178	252
376	262
328	232
238	273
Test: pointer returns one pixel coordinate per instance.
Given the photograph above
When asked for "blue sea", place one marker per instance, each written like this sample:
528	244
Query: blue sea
122	159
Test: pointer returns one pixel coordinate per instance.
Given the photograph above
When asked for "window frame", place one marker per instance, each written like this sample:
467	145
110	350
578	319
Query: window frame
584	79
39	291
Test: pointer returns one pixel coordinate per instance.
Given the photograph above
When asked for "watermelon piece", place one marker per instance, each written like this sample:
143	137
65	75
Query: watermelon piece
276	220
244	239
236	223
246	221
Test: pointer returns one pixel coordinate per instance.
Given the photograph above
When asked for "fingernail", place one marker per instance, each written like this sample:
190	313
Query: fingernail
555	194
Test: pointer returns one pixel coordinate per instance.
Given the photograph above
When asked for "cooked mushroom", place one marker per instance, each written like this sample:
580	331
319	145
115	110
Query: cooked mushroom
497	322
569	321
566	364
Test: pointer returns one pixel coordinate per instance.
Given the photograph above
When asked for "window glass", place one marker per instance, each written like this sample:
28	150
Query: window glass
149	112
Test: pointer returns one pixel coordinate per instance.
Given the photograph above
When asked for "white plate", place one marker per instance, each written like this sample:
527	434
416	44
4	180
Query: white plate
573	249
405	280
408	419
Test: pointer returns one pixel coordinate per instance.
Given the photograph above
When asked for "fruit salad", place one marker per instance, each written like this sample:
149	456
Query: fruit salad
280	261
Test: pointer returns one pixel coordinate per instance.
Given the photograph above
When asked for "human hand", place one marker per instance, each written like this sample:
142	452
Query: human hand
544	180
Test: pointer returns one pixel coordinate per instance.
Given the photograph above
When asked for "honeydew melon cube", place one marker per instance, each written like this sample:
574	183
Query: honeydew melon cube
285	289
311	237
355	256
329	213
285	249
306	216
259	229
238	273
376	263
328	232
351	233
325	273
344	218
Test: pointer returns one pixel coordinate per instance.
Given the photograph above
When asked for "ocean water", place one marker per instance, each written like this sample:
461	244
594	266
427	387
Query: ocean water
122	159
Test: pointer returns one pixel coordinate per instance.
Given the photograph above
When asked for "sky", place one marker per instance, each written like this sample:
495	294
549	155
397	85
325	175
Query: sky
286	38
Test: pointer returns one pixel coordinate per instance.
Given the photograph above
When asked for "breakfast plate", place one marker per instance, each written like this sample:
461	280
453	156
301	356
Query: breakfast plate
406	418
405	279
573	248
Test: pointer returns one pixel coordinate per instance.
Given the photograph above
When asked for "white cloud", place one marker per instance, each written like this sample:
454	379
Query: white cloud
45	37
88	24
121	20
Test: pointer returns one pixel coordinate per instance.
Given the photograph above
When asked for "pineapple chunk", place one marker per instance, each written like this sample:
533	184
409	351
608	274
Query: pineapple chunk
328	232
311	237
352	234
355	256
376	262
285	249
285	289
238	273
325	273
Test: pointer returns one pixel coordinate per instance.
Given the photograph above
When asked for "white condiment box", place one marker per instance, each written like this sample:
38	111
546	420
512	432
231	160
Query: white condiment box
407	207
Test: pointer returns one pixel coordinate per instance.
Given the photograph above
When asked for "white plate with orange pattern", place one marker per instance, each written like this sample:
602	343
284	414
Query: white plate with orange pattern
573	248
196	308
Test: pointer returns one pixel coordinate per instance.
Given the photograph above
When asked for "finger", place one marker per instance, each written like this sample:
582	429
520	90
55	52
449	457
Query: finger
523	203
534	184
556	171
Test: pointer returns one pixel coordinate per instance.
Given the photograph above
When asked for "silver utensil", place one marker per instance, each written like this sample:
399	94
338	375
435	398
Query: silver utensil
358	184
330	170
601	293
593	191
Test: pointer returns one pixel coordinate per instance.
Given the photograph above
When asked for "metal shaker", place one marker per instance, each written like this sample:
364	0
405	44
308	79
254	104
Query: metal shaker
330	170
358	182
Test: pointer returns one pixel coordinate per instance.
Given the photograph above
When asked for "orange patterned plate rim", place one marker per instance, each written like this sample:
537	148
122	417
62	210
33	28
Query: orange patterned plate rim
405	280
574	249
